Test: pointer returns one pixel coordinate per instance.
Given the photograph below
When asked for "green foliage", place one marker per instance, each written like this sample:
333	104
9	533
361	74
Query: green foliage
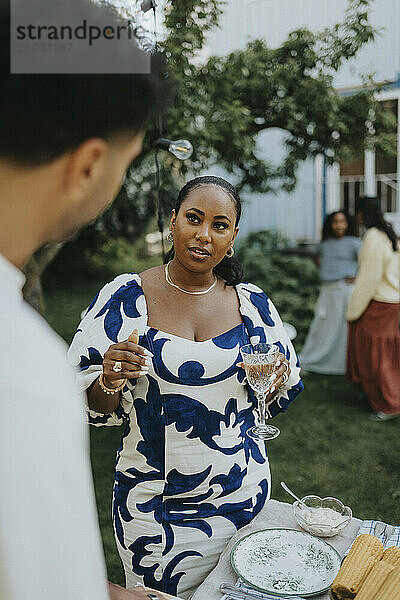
223	103
290	281
344	40
88	267
187	22
291	88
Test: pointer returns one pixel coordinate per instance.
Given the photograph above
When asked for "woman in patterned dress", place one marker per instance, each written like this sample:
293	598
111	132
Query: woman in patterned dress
187	475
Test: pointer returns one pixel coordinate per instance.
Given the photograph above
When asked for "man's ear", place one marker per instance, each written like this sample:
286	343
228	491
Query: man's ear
85	167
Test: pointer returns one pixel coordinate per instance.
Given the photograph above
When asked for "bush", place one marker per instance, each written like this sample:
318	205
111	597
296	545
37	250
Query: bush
111	258
291	282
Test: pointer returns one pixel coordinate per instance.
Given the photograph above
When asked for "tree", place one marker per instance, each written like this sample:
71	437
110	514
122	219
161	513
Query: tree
222	105
225	103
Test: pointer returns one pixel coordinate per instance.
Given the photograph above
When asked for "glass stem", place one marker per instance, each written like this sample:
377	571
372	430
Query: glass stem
261	410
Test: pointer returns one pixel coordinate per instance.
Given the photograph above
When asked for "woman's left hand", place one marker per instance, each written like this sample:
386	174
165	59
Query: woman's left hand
279	377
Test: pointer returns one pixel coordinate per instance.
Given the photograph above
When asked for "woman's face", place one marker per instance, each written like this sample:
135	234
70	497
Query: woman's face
339	225
204	228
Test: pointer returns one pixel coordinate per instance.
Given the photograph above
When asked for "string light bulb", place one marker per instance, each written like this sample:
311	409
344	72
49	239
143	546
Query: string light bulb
182	149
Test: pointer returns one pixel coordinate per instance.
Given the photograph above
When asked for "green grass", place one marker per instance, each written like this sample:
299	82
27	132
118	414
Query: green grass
64	306
330	448
327	444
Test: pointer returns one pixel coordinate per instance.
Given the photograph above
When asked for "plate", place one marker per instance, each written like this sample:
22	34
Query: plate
285	562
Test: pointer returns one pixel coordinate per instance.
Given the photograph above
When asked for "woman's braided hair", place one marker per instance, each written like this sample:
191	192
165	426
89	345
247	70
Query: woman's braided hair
229	269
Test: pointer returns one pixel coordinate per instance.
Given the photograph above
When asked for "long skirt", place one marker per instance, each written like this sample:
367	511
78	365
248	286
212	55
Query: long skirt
324	350
373	355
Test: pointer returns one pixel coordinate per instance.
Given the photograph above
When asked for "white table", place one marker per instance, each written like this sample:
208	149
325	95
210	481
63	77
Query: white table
274	514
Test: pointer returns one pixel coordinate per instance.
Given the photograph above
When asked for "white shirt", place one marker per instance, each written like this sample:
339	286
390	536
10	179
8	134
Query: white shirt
50	547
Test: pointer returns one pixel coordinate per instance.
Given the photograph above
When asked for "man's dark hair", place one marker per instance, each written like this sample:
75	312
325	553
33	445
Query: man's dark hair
44	116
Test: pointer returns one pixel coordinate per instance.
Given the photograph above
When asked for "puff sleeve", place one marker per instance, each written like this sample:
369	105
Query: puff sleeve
117	309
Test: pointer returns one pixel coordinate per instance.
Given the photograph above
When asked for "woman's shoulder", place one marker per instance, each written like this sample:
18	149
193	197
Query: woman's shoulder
123	280
118	288
250	288
116	307
375	243
254	301
253	293
373	231
375	235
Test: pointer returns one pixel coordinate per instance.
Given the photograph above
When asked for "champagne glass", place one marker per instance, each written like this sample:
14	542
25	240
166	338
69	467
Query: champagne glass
259	361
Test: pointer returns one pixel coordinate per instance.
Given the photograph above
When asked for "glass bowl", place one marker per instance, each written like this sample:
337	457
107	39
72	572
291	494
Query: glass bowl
307	519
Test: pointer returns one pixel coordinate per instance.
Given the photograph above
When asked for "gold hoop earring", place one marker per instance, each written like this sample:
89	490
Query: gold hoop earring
170	237
230	253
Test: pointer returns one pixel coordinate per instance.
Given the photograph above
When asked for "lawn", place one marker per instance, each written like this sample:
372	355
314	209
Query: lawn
327	445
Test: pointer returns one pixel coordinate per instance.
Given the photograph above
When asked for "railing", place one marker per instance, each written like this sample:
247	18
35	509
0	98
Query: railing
352	188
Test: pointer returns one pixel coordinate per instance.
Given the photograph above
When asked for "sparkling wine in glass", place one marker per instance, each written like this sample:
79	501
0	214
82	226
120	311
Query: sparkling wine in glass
259	361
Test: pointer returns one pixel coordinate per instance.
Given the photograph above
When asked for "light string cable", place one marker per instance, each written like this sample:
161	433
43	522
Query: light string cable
160	211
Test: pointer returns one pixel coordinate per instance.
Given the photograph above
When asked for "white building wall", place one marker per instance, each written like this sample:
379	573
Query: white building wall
296	214
275	210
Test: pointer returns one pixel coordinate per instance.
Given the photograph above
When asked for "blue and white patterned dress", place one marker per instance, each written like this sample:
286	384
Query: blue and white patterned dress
187	477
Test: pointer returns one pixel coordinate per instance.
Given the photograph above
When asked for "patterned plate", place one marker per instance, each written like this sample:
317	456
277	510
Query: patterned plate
285	561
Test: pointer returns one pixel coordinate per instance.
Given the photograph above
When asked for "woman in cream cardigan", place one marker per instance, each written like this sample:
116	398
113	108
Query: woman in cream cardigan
373	354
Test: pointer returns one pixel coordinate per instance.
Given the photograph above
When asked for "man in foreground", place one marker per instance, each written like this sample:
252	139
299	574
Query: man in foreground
65	144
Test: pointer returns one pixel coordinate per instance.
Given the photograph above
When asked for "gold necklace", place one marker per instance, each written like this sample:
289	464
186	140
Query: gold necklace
170	282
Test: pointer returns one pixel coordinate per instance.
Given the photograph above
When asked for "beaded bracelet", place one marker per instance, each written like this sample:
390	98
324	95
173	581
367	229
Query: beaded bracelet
108	390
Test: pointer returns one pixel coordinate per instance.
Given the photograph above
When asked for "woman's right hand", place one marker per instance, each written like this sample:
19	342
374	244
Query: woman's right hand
135	361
